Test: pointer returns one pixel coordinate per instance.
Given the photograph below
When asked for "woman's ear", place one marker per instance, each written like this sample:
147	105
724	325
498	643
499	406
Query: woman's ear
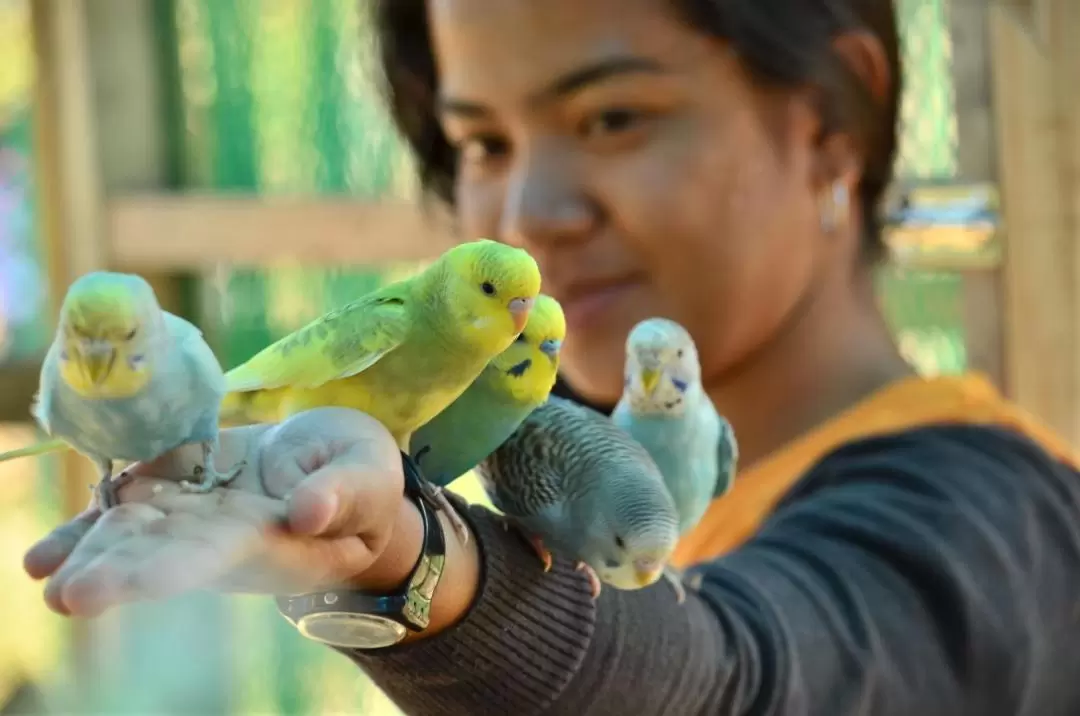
839	153
865	57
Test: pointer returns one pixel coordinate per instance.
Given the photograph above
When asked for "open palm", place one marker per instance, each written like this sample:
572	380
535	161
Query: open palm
313	507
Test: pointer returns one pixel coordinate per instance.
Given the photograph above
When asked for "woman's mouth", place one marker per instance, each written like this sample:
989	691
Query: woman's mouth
588	304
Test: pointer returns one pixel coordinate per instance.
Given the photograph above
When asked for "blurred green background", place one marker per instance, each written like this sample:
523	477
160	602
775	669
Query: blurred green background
277	96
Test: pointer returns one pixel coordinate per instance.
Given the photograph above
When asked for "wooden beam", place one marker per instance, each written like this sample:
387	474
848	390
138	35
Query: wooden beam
1040	271
157	232
194	232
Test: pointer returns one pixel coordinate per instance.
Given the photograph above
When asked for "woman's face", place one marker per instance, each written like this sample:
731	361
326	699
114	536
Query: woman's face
634	159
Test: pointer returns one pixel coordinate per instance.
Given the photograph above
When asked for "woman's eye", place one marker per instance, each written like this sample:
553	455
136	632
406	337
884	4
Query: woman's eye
612	121
477	150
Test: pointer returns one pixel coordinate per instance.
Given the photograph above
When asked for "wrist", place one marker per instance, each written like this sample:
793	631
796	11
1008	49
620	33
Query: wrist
460	580
392	567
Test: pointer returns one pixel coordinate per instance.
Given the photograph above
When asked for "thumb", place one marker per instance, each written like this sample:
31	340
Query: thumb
351	495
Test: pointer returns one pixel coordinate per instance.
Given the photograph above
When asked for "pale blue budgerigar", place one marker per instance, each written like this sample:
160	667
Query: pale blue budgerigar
574	483
126	380
510	387
665	408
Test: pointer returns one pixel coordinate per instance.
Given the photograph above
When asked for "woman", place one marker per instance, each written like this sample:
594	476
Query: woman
719	162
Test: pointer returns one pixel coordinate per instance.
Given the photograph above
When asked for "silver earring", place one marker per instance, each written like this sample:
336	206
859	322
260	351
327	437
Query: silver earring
833	206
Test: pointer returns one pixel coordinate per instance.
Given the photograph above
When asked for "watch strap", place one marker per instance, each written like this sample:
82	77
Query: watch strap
411	603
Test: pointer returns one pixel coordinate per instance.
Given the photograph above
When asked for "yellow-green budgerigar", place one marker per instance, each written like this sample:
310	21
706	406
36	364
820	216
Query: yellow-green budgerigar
512	385
406	351
125	380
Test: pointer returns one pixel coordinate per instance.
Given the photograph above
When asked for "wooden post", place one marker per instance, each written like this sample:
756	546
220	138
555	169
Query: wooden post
71	207
969	30
1062	25
1034	67
977	158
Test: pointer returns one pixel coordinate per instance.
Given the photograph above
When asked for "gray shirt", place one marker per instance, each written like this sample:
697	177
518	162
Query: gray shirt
932	572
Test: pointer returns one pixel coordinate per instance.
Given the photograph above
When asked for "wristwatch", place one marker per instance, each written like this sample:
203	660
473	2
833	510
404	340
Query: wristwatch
354	619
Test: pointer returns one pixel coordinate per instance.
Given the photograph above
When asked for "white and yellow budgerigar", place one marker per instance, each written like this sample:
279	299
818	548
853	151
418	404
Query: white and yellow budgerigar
125	380
404	352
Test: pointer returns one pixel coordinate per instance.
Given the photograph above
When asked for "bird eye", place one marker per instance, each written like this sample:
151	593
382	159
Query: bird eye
131	334
488	287
679	354
619	542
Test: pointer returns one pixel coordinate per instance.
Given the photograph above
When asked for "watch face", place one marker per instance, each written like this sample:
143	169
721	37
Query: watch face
351	631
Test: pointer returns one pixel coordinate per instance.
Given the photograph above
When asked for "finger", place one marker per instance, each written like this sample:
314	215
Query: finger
352	494
177	554
308	441
115	526
48	553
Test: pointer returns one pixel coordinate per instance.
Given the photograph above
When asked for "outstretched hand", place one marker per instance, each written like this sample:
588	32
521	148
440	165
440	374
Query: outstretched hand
315	506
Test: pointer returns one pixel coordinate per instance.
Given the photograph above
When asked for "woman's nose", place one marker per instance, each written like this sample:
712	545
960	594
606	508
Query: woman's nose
546	203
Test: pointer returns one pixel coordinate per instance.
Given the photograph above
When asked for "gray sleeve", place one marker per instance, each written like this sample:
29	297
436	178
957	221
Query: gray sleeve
935	572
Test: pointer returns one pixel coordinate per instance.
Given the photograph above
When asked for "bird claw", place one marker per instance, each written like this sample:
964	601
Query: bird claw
594	581
435	497
207	479
107	490
675	581
541	552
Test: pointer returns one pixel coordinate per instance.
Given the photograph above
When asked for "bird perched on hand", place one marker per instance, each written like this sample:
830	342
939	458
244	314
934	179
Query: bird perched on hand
125	380
573	482
404	352
512	385
665	408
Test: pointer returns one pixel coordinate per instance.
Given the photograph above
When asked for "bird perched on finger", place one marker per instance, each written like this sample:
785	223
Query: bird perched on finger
510	387
125	380
404	352
574	483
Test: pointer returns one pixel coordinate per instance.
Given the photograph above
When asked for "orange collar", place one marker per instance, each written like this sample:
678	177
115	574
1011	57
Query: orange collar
905	404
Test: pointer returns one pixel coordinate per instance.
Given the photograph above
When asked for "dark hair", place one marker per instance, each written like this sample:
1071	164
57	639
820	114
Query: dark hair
784	43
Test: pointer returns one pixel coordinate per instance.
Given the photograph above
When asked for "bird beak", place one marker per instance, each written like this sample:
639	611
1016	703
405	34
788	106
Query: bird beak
97	360
519	310
550	347
649	379
645	577
647	571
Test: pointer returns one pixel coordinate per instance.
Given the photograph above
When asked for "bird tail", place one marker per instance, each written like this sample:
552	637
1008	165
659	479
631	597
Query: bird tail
257	406
42	448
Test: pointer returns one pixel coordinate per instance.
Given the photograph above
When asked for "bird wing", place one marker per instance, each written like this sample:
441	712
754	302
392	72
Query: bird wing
340	344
